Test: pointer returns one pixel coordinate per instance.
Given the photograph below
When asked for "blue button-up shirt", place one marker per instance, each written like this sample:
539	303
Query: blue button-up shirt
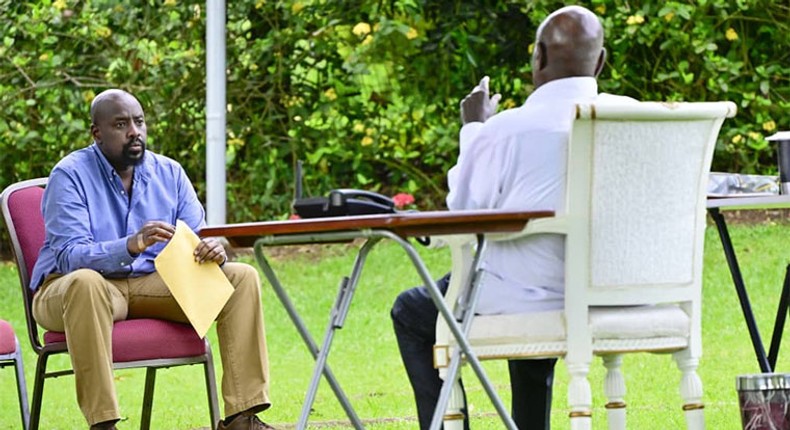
89	216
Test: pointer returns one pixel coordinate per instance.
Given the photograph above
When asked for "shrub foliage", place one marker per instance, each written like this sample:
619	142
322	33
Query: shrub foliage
365	92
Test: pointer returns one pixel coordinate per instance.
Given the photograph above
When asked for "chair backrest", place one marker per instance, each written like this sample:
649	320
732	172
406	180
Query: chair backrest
636	199
21	206
637	180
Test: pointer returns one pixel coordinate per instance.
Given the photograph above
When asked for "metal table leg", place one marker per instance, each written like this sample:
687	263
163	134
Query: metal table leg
338	314
341	307
779	323
458	333
740	288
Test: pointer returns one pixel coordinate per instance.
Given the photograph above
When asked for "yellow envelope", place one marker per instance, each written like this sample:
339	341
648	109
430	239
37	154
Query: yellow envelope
200	289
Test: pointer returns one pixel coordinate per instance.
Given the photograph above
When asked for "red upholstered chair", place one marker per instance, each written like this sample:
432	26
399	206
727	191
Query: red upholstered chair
148	343
11	355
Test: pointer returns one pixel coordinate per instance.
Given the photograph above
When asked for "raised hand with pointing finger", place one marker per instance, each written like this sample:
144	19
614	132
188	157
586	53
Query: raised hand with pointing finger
477	106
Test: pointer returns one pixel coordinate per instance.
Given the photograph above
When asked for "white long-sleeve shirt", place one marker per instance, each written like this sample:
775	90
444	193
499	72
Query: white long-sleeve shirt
517	160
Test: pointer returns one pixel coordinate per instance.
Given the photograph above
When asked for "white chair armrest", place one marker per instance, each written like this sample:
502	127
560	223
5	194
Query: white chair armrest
556	224
450	240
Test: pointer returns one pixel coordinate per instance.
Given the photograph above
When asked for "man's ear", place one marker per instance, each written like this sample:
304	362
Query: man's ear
601	62
95	133
541	58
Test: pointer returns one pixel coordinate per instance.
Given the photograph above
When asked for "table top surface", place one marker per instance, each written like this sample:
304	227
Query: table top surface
749	201
404	224
430	223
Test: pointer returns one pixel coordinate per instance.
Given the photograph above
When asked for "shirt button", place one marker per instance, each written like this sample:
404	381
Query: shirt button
123	264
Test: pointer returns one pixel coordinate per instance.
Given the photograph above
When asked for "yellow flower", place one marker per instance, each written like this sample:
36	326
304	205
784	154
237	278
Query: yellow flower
731	34
297	7
369	131
531	48
297	118
259	4
60	4
769	125
236	142
103	32
331	94
668	17
367	39
366	141
361	29
736	139
359	127
412	33
635	20
88	96
170	2
43	57
508	103
755	135
601	9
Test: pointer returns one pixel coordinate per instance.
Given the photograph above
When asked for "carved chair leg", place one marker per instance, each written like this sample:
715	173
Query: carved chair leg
691	390
579	396
614	389
454	416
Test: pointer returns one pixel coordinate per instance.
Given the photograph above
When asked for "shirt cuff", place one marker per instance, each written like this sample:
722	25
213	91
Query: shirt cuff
120	253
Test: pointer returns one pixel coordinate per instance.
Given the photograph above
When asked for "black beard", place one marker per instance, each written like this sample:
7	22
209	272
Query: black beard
132	160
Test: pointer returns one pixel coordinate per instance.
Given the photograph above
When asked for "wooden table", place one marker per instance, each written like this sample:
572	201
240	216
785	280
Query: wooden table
399	227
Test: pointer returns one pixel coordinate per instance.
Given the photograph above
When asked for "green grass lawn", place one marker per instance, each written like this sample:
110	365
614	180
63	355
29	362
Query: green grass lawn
366	361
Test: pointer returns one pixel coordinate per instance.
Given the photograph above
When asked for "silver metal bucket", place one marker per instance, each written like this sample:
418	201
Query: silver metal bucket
765	401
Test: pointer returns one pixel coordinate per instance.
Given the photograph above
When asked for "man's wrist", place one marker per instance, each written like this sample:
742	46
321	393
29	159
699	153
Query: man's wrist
140	243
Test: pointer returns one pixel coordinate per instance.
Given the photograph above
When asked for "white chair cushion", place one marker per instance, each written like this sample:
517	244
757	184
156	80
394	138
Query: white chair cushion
607	323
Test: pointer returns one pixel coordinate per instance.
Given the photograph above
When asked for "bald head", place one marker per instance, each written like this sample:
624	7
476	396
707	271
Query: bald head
100	103
569	43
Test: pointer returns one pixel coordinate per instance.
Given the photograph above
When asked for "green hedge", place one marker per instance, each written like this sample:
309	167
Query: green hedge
366	92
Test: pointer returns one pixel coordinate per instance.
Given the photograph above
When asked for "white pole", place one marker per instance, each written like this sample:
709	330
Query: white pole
215	112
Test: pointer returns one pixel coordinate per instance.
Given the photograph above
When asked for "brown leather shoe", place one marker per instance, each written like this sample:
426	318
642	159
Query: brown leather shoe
245	422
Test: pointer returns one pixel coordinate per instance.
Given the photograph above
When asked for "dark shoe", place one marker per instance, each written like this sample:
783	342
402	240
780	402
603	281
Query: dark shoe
106	425
245	422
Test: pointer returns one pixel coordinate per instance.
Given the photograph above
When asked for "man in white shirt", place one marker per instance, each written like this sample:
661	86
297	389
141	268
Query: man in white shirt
513	160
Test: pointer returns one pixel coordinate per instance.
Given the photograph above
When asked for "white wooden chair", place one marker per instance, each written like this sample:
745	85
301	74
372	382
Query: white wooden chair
633	221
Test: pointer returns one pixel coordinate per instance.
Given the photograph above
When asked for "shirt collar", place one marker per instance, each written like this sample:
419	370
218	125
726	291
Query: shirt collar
566	88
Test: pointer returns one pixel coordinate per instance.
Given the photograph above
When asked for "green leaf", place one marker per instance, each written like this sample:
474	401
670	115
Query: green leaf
765	87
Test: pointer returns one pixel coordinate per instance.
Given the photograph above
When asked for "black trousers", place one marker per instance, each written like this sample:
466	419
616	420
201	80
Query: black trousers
414	319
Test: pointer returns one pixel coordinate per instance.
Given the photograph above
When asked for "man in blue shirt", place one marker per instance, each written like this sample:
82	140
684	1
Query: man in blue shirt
109	210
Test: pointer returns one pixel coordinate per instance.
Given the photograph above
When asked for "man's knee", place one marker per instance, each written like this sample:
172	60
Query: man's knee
414	312
400	306
86	283
244	278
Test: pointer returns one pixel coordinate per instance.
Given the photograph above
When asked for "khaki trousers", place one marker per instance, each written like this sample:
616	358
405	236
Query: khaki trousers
84	304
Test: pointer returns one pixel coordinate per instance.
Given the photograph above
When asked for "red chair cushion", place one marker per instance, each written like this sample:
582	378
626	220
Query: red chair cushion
7	338
147	339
